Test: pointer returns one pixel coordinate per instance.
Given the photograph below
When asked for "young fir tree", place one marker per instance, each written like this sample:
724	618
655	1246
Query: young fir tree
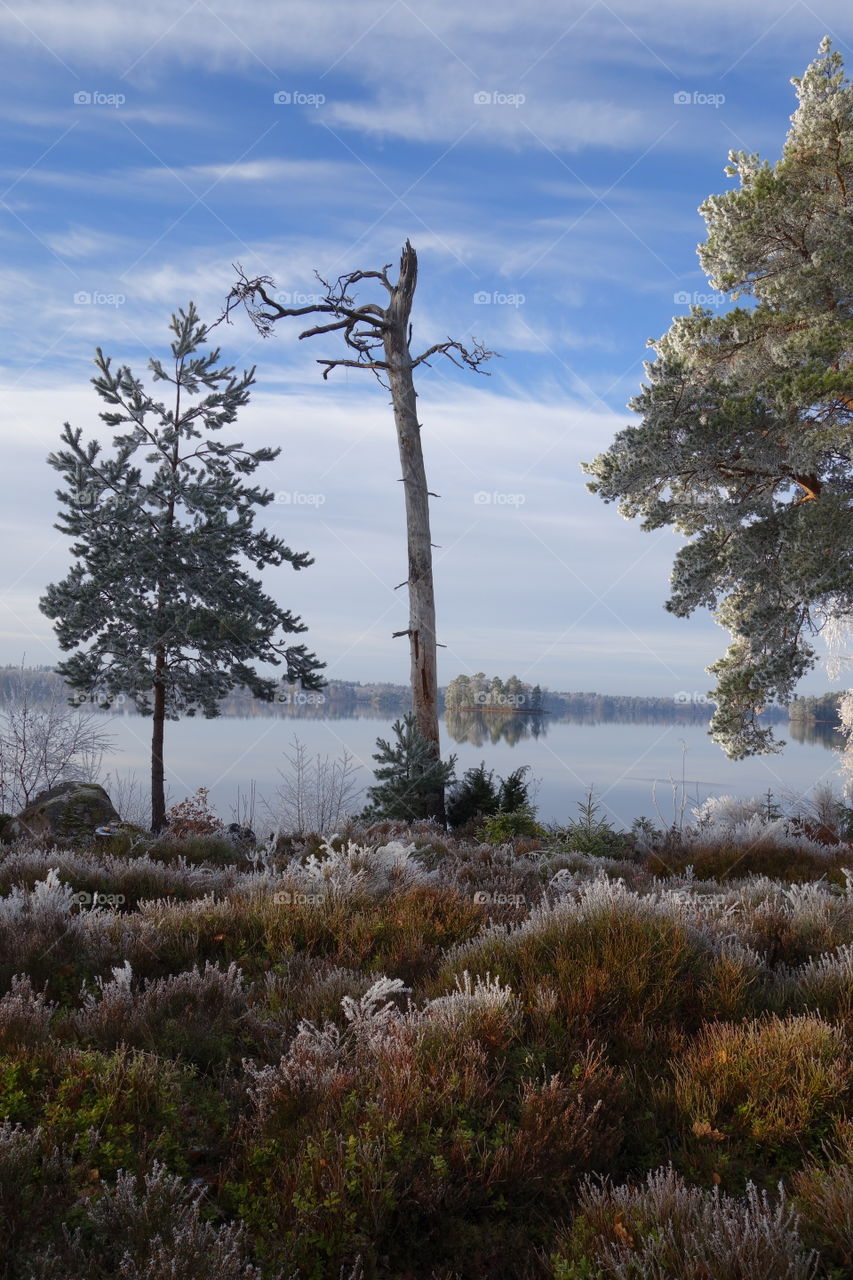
474	795
160	600
745	442
408	776
514	794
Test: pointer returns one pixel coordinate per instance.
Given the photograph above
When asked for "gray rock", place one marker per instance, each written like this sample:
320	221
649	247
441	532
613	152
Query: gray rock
71	809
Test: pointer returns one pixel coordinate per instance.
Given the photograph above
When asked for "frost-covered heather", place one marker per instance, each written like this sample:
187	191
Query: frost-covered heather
357	868
436	1038
665	1228
139	877
726	820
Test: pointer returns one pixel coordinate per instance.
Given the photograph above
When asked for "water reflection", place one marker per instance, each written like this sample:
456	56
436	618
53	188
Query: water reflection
816	733
479	727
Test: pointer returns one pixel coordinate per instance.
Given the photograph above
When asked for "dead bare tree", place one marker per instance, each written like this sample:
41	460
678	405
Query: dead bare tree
43	742
380	337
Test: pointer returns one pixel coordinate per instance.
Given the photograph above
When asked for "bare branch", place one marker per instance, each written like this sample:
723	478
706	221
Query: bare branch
350	364
469	359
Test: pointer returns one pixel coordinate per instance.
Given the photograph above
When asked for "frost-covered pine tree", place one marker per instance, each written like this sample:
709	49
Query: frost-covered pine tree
160	602
746	440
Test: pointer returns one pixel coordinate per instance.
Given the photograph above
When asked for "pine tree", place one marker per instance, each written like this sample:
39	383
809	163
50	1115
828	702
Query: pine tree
408	776
159	599
514	794
475	794
744	445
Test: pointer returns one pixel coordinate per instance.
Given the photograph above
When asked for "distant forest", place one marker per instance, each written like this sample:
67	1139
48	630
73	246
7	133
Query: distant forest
479	693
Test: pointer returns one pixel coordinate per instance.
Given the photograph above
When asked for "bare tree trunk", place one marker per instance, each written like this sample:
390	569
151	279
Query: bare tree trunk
422	641
366	328
158	790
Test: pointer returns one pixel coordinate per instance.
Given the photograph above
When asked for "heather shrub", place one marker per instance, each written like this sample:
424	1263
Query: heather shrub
790	925
735	983
504	882
200	1017
304	987
39	1181
404	930
148	1227
25	1015
671	1231
761	1093
416	1124
823	984
619	968
101	871
791	863
140	1106
824	1191
348	868
729	820
401	1047
43	935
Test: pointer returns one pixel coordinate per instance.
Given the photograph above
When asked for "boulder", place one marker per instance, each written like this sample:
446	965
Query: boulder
72	809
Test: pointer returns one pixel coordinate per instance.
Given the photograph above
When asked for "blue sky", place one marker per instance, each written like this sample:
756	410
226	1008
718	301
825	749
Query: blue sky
546	162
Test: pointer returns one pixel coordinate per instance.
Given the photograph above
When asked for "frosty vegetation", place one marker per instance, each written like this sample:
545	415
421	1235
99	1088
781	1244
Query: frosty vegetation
743	445
545	1062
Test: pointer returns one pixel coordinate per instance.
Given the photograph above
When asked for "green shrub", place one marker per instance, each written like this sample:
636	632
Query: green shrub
139	1105
761	1095
502	828
591	834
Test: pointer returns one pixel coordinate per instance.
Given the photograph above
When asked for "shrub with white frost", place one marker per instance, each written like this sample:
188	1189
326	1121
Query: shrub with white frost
671	1231
357	868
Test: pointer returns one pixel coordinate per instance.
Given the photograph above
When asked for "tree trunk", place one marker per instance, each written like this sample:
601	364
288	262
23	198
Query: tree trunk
422	643
158	790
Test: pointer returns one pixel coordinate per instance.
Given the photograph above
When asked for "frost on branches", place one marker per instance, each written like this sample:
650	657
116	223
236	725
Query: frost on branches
745	441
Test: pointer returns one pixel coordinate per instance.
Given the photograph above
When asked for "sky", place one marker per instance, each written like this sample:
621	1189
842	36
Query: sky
546	161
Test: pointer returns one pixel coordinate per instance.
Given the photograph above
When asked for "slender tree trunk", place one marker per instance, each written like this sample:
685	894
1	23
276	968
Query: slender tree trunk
158	783
158	789
422	642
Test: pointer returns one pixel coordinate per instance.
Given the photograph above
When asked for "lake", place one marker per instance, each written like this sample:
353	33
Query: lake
624	762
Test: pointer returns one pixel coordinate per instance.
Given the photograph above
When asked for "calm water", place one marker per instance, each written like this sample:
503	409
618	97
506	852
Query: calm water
624	762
